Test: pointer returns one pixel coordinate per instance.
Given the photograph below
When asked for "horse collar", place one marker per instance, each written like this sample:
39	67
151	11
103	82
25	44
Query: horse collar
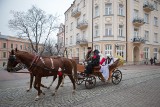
34	61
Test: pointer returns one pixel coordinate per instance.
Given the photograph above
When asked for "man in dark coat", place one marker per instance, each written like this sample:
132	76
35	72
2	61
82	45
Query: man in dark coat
94	62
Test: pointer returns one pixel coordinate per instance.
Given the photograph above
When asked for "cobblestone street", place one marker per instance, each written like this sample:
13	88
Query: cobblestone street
139	88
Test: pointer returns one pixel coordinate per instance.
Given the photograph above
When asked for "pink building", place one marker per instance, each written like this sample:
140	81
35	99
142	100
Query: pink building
9	42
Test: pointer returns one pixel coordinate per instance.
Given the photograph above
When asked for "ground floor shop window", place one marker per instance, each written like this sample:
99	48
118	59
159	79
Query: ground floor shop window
146	53
108	49
120	50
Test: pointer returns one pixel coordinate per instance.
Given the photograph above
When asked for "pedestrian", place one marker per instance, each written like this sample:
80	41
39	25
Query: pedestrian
154	60
151	61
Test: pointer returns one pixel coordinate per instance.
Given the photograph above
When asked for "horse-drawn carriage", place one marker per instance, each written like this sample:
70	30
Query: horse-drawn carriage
90	80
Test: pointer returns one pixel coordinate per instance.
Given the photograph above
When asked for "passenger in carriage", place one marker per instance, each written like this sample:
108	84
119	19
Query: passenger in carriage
105	63
94	62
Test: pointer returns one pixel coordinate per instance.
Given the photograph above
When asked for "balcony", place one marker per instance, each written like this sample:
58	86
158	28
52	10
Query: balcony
138	22
82	42
138	40
76	13
147	7
82	25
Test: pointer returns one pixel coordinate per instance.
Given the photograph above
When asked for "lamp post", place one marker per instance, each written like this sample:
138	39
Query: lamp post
92	21
126	33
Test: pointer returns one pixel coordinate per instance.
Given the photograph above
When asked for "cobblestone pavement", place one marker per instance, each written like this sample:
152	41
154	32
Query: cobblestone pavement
139	88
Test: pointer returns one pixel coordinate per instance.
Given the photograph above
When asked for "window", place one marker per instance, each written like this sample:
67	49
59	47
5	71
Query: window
77	37
66	41
96	47
77	21
108	49
84	35
155	52
96	31
108	9
96	11
4	45
71	53
146	53
121	9
84	53
156	37
66	17
146	18
66	29
84	16
71	26
4	54
108	30
21	47
120	50
120	30
155	5
155	21
136	32
84	3
77	52
71	40
135	13
146	35
11	46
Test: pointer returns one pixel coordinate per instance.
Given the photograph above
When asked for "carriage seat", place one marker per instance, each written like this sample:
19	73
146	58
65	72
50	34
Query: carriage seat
97	68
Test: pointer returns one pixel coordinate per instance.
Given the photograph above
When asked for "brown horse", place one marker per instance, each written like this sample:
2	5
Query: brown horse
43	67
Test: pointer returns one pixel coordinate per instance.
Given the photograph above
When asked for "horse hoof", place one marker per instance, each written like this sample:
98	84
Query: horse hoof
73	92
61	85
43	93
28	90
53	94
37	98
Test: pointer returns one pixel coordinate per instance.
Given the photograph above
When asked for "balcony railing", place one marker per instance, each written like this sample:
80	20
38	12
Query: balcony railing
82	42
76	12
82	25
147	7
139	40
138	22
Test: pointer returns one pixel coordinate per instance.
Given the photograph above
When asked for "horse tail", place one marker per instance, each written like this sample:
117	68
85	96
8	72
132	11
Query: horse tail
74	64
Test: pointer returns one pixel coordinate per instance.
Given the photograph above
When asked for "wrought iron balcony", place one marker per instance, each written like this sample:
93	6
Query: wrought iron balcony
138	22
76	12
82	25
138	40
82	42
147	7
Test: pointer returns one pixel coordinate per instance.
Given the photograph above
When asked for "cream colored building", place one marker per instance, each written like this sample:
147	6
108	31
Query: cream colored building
129	28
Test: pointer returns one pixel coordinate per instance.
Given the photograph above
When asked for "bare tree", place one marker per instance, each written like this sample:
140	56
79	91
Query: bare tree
50	48
34	24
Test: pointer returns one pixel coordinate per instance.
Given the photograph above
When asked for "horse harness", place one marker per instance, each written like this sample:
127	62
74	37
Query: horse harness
51	69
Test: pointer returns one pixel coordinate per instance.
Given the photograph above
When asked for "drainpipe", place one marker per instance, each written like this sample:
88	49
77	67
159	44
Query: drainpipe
126	34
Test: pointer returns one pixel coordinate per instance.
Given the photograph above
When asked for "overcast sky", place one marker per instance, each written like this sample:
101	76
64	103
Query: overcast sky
49	6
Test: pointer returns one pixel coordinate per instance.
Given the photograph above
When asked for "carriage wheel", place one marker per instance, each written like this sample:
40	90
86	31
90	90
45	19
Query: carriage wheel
116	77
90	82
80	80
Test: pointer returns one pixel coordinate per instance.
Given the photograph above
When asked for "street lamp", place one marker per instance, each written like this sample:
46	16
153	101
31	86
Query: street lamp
92	21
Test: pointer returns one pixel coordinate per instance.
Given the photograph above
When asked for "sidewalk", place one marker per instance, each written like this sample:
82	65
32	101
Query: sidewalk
5	75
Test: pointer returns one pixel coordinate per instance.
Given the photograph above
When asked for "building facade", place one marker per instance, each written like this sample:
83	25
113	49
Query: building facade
7	43
60	39
129	28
